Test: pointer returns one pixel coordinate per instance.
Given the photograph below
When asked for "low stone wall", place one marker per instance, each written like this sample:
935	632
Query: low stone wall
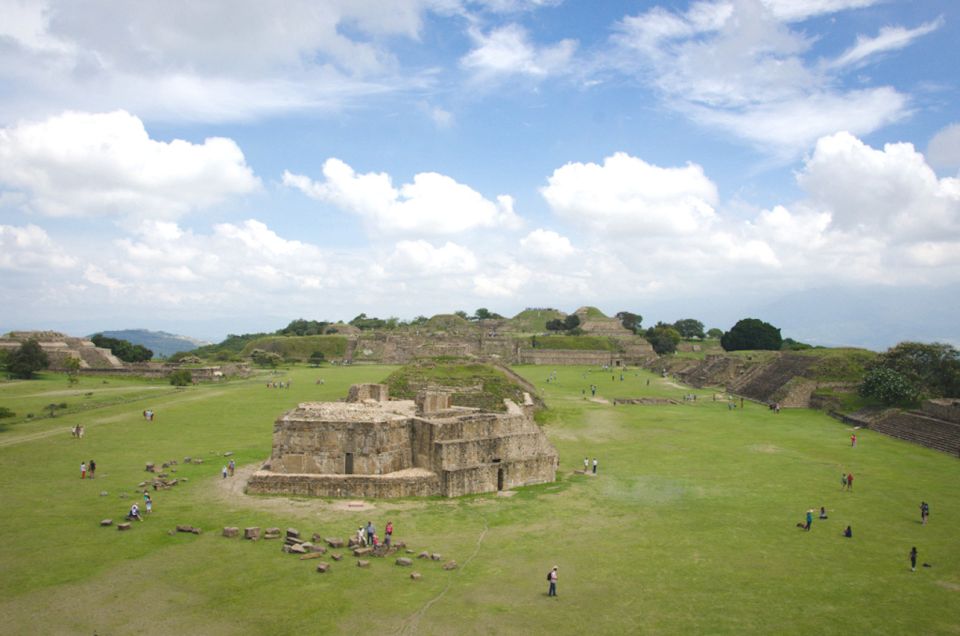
561	357
943	409
264	482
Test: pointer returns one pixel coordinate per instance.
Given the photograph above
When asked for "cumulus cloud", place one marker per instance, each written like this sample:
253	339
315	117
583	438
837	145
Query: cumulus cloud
432	204
943	151
420	258
182	59
627	194
82	164
745	67
29	247
508	51
547	244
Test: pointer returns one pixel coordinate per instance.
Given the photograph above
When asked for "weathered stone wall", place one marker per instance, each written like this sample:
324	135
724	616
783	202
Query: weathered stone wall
560	357
944	409
369	486
375	392
378	447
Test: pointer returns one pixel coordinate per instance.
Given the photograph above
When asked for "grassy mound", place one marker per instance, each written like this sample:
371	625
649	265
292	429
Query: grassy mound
299	347
533	320
477	385
581	343
591	312
448	322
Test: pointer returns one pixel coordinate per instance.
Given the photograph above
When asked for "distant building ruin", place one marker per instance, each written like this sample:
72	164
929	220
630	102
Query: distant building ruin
371	446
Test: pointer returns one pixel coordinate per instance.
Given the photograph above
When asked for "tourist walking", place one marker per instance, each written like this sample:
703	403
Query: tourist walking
924	512
231	467
849	481
148	502
853	440
586	464
843	481
809	519
92	468
913	559
223	472
387	533
594	465
83	470
552	578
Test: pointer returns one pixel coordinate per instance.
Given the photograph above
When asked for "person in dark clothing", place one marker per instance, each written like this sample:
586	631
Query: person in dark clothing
913	559
848	533
823	512
552	577
924	506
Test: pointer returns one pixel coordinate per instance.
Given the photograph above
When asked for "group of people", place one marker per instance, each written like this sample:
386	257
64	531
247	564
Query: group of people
846	481
77	431
88	469
367	535
228	469
281	384
148	415
586	465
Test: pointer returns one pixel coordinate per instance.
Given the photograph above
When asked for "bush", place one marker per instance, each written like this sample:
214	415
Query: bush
5	412
888	386
181	377
752	334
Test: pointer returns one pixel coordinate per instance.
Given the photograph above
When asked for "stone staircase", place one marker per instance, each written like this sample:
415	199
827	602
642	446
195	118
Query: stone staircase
920	428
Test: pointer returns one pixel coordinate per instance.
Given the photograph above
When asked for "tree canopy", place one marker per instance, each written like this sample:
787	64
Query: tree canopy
569	323
663	338
301	327
123	349
630	320
751	334
689	328
26	360
930	370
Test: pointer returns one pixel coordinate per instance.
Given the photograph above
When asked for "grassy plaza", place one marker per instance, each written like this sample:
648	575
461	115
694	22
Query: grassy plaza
689	526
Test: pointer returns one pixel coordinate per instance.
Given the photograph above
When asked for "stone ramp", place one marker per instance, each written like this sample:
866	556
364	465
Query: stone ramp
778	380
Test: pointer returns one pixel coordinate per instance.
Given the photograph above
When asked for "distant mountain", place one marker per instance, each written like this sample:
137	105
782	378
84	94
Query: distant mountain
160	342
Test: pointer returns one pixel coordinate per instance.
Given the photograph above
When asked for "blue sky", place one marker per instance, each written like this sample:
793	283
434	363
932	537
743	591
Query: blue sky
226	167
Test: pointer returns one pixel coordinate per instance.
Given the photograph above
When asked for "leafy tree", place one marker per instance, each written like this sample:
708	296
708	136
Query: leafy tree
317	358
5	412
933	369
485	314
689	328
569	323
714	333
630	320
663	338
123	349
419	320
265	358
28	358
301	327
462	314
789	344
888	386
364	323
751	334
181	377
72	366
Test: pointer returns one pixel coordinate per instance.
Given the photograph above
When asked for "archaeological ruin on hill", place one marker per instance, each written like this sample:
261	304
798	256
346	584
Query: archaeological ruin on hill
372	446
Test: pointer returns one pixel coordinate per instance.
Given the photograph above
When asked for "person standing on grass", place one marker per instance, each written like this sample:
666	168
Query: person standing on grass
594	465
93	468
231	467
809	519
552	577
148	503
849	481
843	481
83	470
924	512
913	559
586	464
388	533
853	440
370	532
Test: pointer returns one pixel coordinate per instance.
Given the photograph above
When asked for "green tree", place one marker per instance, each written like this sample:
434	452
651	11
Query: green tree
26	360
715	333
889	386
317	358
689	328
485	314
932	369
751	334
663	338
462	314
123	349
630	320
72	366
181	377
265	358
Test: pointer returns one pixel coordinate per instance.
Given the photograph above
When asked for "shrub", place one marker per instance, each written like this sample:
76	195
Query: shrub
181	377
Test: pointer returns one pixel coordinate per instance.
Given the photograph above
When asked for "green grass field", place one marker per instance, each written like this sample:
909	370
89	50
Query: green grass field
689	528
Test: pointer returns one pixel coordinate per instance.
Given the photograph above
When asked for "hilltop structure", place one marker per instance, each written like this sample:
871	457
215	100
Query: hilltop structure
372	446
60	347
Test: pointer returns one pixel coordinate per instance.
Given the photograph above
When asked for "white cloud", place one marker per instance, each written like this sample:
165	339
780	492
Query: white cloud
180	59
432	204
547	244
508	51
506	282
627	194
81	164
30	247
943	151
421	258
889	39
744	67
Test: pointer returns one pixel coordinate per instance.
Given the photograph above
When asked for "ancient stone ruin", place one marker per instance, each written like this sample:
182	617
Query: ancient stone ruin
371	446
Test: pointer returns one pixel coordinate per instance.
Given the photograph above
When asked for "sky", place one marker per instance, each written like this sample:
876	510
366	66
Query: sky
228	166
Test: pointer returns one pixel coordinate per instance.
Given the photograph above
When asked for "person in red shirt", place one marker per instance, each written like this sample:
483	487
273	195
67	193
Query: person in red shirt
850	481
853	439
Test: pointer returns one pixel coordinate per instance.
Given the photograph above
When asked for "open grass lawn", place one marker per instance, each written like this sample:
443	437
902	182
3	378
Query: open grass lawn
688	528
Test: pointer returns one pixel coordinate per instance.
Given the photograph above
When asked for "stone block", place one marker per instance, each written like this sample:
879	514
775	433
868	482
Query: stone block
319	549
251	533
435	557
187	460
190	529
335	556
230	531
334	543
104	493
362	564
416	576
123	526
404	561
150	467
271	533
423	555
323	568
296	549
106	522
293	532
316	538
358	552
450	565
311	555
